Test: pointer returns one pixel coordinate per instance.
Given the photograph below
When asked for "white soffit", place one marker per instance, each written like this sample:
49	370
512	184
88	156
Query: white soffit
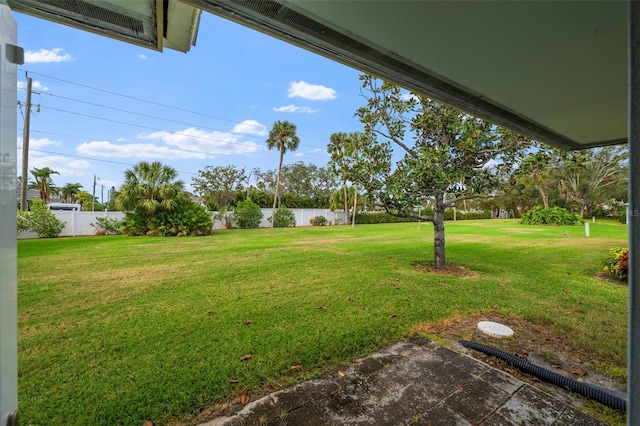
149	23
554	70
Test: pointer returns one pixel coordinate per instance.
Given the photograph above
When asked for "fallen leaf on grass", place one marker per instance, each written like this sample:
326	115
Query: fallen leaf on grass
247	322
578	371
210	313
323	308
296	367
595	361
350	299
341	374
510	371
244	398
364	308
576	359
245	357
147	423
392	316
233	380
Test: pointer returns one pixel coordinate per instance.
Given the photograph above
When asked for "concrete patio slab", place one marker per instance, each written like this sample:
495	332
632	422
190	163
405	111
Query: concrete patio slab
415	382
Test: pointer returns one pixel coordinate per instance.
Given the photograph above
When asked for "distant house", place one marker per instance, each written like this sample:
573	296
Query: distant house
32	194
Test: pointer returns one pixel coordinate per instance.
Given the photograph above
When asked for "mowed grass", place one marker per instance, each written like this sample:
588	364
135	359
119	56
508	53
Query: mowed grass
117	330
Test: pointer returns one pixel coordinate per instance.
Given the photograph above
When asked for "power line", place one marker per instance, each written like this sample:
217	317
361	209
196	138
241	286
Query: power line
150	116
121	163
154	103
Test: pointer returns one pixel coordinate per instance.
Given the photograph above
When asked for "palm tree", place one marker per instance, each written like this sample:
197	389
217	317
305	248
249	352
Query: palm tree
337	150
282	136
69	192
85	199
151	187
43	182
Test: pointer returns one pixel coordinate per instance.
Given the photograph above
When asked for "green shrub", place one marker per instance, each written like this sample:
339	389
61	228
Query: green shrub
283	218
106	226
318	221
248	214
40	220
134	223
370	218
617	264
553	216
22	221
187	219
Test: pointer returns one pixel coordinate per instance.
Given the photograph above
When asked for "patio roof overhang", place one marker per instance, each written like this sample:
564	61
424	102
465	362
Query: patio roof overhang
556	71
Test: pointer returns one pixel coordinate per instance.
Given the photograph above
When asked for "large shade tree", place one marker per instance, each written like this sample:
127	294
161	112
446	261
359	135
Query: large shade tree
43	182
593	175
282	137
220	185
449	156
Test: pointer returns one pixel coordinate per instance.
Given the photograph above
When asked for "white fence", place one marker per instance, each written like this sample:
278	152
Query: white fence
79	223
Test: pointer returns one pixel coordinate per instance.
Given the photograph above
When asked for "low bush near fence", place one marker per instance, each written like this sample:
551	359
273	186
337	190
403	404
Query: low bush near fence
107	226
40	220
370	218
283	218
617	264
553	216
318	221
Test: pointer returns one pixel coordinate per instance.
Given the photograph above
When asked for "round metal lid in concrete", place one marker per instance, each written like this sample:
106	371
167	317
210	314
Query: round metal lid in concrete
495	329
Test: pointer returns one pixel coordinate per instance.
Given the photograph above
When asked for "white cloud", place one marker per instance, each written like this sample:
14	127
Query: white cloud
141	56
66	167
134	150
409	96
205	143
313	92
121	139
189	143
298	154
47	56
295	108
35	85
250	127
35	143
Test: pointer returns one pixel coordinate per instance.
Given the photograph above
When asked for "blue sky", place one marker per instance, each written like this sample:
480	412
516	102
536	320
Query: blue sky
106	105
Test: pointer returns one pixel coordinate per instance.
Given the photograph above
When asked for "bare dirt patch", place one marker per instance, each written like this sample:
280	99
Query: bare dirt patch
606	277
538	344
451	269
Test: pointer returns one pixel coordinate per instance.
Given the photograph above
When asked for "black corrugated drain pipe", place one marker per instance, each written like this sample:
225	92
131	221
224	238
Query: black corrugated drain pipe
608	397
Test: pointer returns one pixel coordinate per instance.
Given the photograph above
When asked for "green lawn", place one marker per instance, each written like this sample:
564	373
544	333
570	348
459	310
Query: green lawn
117	330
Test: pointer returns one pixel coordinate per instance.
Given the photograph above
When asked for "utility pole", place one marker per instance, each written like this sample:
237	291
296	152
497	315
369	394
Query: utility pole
24	204
93	197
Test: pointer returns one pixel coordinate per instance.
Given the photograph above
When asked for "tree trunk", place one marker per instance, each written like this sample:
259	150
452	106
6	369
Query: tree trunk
275	196
355	204
346	204
438	233
543	195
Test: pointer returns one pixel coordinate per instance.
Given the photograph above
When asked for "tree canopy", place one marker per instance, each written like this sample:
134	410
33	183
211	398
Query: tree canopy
449	156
